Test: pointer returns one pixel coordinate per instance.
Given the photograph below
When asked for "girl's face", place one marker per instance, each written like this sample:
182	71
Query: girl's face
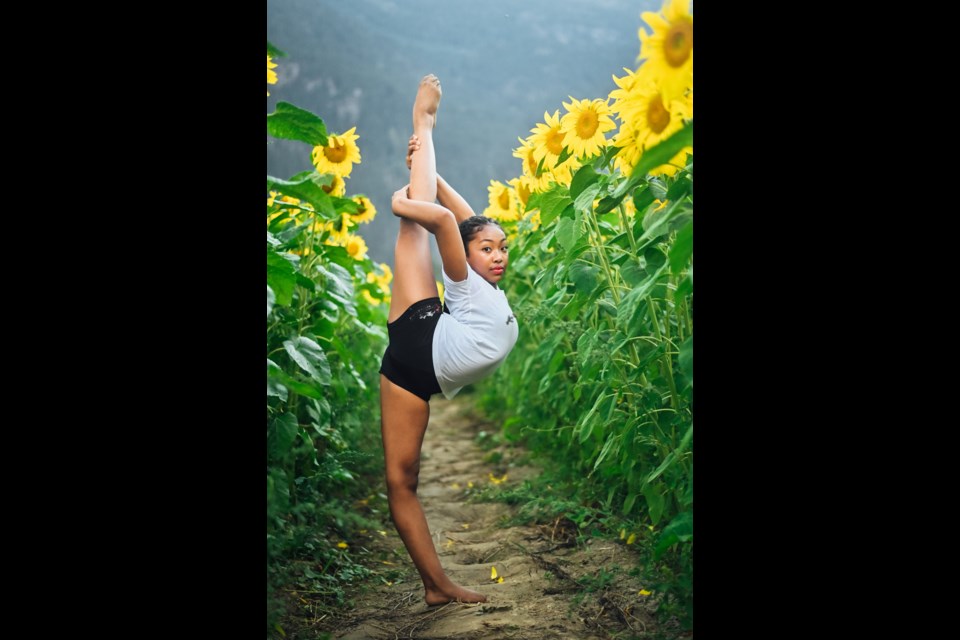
487	253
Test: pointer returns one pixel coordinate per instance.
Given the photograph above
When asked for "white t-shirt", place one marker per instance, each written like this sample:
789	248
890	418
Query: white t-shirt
472	340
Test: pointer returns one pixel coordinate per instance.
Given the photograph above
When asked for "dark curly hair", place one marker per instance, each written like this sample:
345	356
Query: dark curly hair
470	227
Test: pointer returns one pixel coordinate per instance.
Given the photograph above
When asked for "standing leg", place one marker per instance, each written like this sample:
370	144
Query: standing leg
403	424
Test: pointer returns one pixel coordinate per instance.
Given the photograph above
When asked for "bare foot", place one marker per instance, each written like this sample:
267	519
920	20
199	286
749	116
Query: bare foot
453	594
427	102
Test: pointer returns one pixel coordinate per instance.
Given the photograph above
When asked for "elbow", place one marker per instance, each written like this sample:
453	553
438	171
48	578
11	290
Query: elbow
441	217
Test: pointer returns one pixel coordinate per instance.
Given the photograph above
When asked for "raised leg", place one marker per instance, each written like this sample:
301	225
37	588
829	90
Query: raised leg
413	267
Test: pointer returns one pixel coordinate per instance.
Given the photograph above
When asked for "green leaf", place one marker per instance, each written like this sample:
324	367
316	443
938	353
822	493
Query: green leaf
584	177
274	385
567	233
628	503
308	188
584	276
684	289
682	249
657	155
633	274
290	122
272	239
552	203
339	286
271	298
642	198
611	439
283	431
655	503
686	359
632	306
679	189
680	529
302	388
273	52
654	258
562	157
604	158
310	357
584	201
533	202
306	282
539	170
280	277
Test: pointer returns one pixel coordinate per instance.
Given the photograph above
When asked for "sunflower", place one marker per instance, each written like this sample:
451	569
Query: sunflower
649	118
503	202
365	210
271	74
584	124
547	139
527	152
336	188
667	53
356	247
521	187
339	155
339	230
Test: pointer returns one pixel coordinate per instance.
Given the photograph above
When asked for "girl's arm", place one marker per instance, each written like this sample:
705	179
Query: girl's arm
453	201
439	221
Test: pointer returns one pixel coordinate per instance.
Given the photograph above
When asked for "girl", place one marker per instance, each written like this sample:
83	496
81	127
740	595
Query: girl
436	348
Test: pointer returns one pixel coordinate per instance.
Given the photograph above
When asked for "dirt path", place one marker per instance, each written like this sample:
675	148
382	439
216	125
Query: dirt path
540	596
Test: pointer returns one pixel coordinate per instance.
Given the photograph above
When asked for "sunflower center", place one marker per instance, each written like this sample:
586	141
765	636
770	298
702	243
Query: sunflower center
504	200
587	124
678	43
657	115
337	153
555	141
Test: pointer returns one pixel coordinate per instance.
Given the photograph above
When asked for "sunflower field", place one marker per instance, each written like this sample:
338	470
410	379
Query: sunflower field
600	222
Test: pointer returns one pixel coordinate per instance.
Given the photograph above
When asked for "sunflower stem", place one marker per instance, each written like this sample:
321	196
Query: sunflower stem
626	227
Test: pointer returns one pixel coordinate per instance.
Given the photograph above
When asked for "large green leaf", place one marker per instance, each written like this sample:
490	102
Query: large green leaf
568	232
682	248
655	156
310	357
338	286
584	177
307	187
654	258
274	385
584	201
680	529
680	188
584	276
282	433
281	277
552	203
655	502
290	122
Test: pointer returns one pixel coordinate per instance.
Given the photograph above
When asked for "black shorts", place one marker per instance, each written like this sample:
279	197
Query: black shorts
408	360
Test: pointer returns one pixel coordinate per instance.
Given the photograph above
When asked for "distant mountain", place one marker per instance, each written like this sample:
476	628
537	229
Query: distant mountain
502	63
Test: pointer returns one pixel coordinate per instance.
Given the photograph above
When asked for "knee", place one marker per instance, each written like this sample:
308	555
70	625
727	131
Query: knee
403	478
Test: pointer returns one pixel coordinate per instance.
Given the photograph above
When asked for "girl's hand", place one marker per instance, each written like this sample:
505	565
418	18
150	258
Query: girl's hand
412	145
398	195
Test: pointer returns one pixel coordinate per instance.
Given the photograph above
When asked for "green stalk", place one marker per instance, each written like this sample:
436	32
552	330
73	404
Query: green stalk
626	226
667	360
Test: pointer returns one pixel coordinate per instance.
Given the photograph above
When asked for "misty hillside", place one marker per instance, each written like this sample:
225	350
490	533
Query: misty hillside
501	64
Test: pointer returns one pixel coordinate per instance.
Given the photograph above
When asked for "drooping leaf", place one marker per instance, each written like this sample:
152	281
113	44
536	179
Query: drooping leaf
280	277
552	203
290	122
282	433
686	359
310	357
271	298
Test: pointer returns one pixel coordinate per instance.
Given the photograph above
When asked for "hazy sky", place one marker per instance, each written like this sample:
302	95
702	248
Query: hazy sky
502	63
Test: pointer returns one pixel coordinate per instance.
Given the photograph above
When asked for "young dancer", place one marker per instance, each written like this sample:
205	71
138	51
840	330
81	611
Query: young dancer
436	348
